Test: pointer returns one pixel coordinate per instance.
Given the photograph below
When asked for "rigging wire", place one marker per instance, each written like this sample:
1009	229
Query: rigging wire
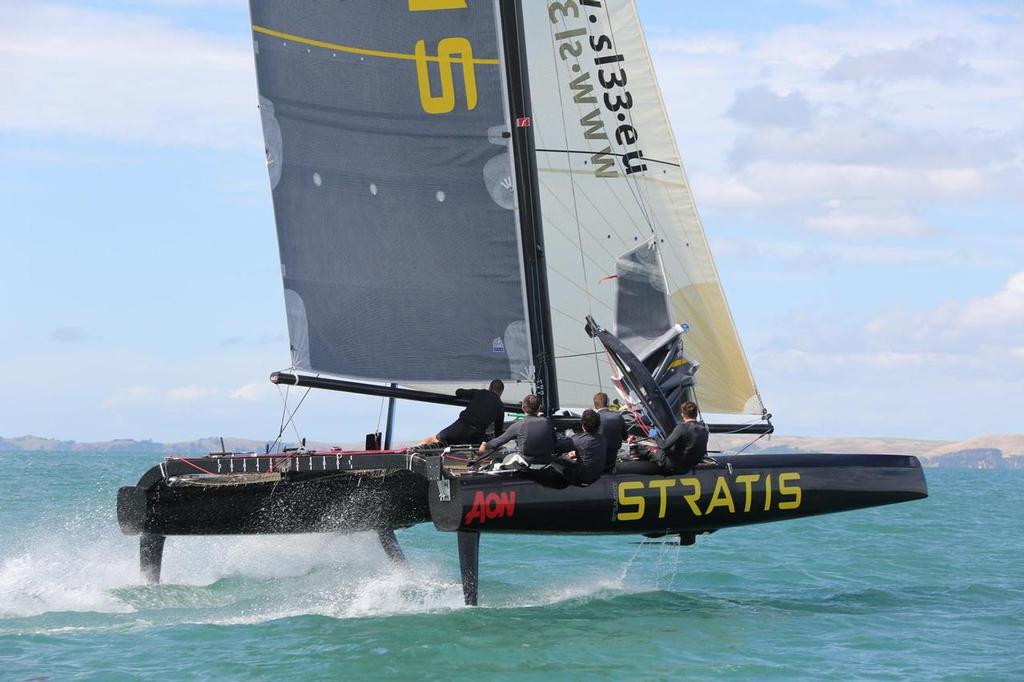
291	416
380	413
740	451
284	411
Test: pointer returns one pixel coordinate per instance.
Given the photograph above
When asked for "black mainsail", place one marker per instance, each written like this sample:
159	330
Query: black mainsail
387	135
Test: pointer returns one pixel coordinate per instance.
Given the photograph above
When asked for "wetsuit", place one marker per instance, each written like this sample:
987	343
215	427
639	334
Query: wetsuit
485	408
535	438
685	447
590	457
613	431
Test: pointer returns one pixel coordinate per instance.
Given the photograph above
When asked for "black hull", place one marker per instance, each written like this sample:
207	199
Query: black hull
337	492
735	491
327	492
319	505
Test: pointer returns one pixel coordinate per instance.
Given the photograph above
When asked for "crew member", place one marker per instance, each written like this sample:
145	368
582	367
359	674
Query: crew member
535	435
613	430
687	445
485	408
586	460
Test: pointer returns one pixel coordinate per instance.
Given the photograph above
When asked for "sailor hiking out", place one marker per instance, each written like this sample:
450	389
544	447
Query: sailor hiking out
686	446
534	435
585	459
485	409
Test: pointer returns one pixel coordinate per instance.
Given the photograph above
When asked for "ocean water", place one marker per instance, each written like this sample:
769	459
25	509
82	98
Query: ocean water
925	590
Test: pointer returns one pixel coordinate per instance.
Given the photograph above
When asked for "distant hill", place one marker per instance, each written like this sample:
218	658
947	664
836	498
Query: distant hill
199	446
983	452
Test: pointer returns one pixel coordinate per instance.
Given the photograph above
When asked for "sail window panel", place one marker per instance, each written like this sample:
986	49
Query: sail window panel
393	190
641	307
590	131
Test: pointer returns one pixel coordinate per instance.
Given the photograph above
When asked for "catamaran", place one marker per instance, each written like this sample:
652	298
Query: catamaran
465	190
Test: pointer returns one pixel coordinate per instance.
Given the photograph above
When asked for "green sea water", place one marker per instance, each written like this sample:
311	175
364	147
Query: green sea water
925	590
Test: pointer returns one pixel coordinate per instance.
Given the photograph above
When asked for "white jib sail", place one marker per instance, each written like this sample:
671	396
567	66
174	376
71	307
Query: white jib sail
611	179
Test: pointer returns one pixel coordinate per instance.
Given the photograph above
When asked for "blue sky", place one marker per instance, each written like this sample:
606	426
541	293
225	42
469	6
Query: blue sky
859	167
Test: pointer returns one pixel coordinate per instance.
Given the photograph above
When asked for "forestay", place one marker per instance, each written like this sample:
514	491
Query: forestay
386	137
612	180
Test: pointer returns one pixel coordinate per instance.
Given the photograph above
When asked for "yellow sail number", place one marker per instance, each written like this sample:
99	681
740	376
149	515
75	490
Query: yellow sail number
450	52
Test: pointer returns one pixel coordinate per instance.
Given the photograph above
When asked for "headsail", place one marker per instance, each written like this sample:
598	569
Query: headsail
612	180
386	127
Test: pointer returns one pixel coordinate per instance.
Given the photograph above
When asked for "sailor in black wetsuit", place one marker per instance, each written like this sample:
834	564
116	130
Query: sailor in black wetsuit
589	461
686	446
535	435
613	430
485	408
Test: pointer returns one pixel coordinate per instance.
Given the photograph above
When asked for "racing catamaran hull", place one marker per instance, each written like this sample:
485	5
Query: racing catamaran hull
731	491
334	492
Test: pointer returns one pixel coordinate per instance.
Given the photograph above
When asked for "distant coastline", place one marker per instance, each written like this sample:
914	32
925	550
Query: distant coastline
200	446
984	452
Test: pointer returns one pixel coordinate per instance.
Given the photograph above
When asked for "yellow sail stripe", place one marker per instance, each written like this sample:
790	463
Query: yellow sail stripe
355	50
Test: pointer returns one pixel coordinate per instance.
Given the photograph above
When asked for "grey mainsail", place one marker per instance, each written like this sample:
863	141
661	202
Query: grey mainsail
386	134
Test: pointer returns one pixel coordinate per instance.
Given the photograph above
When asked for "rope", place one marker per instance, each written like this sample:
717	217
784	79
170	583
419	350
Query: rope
629	403
195	466
291	416
380	413
740	451
284	411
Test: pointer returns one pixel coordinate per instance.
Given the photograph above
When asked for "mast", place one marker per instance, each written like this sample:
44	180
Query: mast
528	198
389	430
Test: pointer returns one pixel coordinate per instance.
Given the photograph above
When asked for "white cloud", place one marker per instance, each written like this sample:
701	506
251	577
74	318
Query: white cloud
767	183
826	4
843	223
68	335
190	393
811	113
1002	310
941	59
994	322
256	390
850	362
758	105
706	44
123	76
793	254
132	395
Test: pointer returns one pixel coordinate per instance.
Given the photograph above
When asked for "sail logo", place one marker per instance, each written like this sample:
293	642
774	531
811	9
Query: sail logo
633	505
572	46
491	506
450	52
497	346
